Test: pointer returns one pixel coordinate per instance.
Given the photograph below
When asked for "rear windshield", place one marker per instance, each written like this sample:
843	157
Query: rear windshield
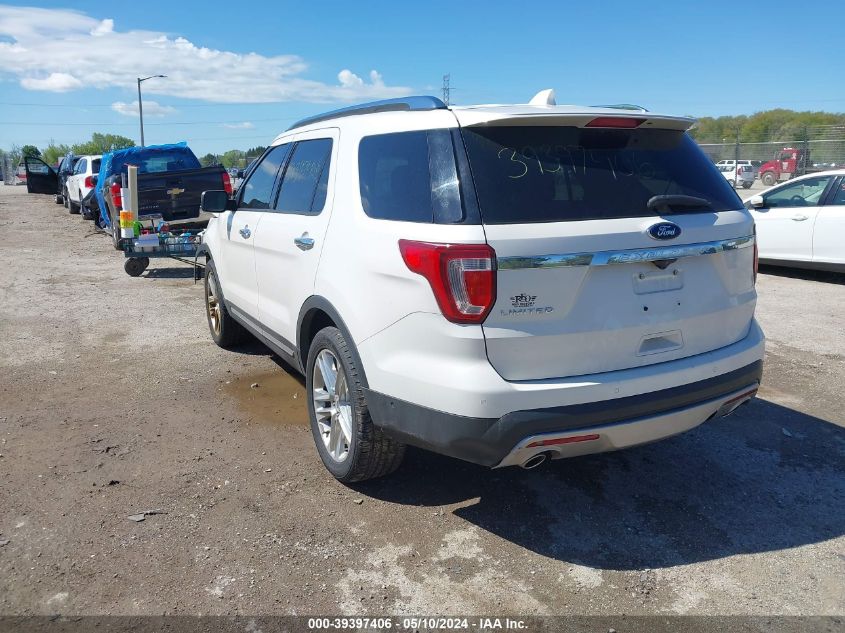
527	174
95	166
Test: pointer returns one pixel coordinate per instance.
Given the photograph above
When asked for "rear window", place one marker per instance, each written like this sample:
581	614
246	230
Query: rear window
526	174
95	166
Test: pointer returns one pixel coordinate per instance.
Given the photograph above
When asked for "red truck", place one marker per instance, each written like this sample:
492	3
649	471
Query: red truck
788	163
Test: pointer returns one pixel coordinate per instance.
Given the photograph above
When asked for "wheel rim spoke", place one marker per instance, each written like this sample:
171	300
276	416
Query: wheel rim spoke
332	408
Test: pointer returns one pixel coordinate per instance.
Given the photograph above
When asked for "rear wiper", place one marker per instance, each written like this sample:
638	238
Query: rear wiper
669	203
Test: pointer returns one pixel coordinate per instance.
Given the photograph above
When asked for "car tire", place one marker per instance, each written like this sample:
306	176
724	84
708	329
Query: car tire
350	446
115	232
768	179
65	200
746	185
225	331
59	199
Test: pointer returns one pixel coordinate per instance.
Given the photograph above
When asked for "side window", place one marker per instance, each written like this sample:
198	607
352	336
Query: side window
410	177
804	193
95	166
80	166
257	191
305	180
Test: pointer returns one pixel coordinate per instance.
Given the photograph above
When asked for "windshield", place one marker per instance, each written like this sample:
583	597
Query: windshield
527	174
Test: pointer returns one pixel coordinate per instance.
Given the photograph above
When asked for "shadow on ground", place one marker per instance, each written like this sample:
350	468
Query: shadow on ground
766	478
801	273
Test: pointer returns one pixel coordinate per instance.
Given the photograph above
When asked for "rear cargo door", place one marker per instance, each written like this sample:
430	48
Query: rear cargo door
616	248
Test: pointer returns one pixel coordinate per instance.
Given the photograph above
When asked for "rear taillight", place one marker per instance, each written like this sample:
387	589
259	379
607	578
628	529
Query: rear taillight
756	256
615	121
227	183
115	196
462	276
89	181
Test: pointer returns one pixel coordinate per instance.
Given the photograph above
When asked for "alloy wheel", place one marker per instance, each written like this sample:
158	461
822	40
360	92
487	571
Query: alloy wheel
212	303
332	405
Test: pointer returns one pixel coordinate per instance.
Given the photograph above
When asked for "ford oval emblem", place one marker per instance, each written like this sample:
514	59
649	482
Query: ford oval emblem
664	231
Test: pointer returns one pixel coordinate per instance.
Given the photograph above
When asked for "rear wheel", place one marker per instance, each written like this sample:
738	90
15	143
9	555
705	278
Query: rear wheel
115	232
65	201
350	446
59	198
225	331
746	185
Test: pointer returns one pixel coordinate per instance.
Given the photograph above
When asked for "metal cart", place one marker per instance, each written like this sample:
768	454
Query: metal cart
179	246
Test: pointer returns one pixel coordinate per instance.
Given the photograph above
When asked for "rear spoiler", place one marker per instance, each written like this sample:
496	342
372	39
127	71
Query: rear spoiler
562	115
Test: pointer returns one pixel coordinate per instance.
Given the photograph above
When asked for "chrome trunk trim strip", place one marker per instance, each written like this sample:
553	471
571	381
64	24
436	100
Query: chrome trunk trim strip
631	256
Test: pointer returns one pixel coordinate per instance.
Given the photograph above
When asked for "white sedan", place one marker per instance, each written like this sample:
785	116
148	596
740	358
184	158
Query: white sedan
801	222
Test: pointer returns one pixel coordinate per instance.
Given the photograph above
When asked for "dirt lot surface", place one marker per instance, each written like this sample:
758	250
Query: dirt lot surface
115	402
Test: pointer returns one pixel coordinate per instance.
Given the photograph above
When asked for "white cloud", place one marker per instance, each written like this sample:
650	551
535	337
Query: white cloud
151	108
54	82
103	28
244	125
62	49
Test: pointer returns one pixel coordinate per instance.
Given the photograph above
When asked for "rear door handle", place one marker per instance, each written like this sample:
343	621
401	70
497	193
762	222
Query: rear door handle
799	218
245	232
304	243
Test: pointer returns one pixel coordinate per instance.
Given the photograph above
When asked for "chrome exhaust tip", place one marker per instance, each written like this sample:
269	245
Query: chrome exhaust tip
534	461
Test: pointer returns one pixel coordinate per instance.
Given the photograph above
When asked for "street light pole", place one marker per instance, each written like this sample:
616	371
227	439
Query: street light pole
140	104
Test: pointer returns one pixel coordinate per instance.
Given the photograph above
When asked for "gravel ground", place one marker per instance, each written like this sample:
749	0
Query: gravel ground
115	402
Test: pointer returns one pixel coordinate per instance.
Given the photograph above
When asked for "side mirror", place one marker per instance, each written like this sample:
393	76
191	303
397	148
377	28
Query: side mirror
756	201
216	201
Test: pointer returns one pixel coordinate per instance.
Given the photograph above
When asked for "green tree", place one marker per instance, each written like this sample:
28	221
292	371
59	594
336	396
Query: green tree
53	153
233	158
102	143
30	151
208	160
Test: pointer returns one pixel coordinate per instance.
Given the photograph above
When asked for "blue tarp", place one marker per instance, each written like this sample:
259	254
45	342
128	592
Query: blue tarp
178	157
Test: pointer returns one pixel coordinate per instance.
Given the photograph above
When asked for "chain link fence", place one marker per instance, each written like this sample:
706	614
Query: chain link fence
784	156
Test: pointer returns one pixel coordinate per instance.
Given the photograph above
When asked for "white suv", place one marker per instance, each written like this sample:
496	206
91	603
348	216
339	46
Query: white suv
502	284
81	181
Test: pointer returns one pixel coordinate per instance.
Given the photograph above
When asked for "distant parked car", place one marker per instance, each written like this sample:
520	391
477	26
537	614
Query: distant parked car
801	223
742	175
64	170
20	175
81	181
755	165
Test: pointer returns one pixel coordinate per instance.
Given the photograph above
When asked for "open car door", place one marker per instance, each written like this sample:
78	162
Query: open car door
40	177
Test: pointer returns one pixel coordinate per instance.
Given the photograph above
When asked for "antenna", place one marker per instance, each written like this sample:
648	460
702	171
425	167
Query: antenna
446	78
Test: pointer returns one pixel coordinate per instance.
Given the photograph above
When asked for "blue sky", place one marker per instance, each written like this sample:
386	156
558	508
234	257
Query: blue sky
239	73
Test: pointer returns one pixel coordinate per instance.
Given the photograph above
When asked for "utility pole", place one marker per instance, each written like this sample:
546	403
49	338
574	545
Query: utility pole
446	79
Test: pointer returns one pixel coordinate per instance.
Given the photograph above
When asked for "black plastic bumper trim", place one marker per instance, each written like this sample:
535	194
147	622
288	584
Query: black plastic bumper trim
487	441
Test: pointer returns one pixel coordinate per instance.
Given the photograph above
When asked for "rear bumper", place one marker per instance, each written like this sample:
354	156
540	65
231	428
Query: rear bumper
616	423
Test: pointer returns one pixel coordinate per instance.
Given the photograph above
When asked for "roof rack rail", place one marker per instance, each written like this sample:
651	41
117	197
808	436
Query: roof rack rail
623	106
402	104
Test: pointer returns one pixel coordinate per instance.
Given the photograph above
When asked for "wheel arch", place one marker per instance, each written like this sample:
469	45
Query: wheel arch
316	313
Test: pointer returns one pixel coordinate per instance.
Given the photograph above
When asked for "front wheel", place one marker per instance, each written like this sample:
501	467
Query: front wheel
768	179
350	446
